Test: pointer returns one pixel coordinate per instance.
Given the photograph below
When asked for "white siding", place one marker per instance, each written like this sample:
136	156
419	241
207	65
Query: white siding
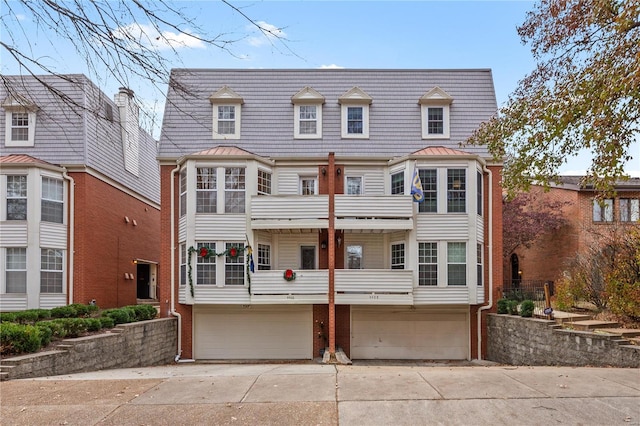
431	295
209	295
220	227
49	301
288	179
480	229
53	235
13	302
373	178
182	228
442	227
373	248
13	234
288	251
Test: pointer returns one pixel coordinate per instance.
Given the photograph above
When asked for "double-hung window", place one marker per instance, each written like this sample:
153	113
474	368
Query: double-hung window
456	190
397	183
17	197
51	270
355	105
308	117
603	210
435	108
20	121
479	193
183	264
206	266
183	192
429	181
479	269
435	121
234	266
307	114
427	264
206	190
629	209
227	109
354	257
308	185
264	257
234	190
457	263
52	207
16	269
264	182
397	256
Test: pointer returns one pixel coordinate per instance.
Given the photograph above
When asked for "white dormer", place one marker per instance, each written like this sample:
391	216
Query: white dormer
307	114
20	121
434	110
130	126
227	113
355	114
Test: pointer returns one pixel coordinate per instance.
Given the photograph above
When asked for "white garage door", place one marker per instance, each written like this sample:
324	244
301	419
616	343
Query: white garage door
255	332
405	333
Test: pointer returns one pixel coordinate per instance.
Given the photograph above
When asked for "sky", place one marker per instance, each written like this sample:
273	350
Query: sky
344	34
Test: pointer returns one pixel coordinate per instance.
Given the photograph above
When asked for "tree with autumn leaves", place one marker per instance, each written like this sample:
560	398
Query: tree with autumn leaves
583	94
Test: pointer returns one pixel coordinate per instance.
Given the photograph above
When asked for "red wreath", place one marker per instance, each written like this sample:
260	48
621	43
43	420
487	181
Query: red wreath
233	252
289	275
204	251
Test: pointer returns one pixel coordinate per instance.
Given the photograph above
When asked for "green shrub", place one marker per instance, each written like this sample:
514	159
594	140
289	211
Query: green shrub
74	327
81	310
45	333
43	314
7	317
93	324
143	312
19	338
27	317
64	312
120	316
526	308
512	307
503	306
106	322
93	309
57	329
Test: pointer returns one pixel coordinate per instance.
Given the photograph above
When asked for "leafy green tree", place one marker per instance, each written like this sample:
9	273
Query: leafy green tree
583	94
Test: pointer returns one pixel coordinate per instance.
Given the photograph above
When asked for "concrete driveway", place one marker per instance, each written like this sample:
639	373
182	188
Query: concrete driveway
379	393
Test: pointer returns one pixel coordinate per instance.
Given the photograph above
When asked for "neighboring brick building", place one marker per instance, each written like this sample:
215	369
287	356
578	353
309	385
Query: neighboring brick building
587	220
79	182
313	170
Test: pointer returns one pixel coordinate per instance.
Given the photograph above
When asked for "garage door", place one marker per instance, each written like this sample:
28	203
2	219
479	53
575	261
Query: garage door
405	333
255	332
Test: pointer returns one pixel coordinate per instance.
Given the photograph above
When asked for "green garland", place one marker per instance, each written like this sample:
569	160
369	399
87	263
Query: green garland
207	253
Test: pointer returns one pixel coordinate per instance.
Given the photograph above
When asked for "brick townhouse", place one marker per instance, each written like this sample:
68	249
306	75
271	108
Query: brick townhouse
288	223
80	194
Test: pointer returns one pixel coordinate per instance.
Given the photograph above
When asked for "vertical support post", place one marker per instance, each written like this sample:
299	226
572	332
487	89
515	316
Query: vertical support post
547	299
332	256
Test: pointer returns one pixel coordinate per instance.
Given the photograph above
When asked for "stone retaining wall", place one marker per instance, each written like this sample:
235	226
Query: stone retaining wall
529	341
138	344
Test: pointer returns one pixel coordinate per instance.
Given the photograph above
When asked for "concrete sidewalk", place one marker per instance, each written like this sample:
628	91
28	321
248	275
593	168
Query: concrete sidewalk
316	394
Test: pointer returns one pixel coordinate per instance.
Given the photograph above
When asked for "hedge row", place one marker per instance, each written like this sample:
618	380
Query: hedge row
22	332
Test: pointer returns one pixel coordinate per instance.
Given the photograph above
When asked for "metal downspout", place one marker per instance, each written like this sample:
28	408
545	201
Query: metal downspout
72	213
173	265
490	262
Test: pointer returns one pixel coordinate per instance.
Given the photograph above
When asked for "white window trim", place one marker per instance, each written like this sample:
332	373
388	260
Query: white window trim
346	186
316	255
355	97
435	98
226	97
315	183
346	254
296	117
31	129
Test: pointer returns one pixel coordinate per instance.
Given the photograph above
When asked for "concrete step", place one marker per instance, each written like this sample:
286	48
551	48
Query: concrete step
634	340
590	325
567	317
623	332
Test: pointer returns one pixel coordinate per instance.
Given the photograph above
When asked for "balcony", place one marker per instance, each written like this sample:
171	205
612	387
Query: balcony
374	287
289	211
310	286
378	212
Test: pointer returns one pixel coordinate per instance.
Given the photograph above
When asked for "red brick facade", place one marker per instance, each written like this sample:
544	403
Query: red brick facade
105	244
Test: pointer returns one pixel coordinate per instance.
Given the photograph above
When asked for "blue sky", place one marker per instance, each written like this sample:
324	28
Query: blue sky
347	34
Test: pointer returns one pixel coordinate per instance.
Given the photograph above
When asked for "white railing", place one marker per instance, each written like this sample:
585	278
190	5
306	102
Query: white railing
290	207
374	286
375	206
432	295
309	286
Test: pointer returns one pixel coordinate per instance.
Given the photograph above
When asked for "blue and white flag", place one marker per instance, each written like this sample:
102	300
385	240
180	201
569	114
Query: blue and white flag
416	187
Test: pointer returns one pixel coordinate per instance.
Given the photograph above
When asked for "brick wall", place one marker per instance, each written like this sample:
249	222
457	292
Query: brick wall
140	344
528	341
105	244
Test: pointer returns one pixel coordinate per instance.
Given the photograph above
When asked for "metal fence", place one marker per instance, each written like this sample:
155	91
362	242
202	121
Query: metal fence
527	290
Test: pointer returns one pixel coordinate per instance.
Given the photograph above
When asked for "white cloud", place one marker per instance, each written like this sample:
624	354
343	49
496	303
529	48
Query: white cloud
269	34
149	36
331	67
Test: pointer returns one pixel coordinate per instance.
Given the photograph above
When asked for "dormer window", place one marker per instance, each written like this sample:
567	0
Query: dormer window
307	114
227	111
434	106
20	121
354	107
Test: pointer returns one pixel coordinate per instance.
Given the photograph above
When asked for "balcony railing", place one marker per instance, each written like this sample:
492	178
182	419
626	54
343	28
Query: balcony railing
374	286
309	286
289	211
374	212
